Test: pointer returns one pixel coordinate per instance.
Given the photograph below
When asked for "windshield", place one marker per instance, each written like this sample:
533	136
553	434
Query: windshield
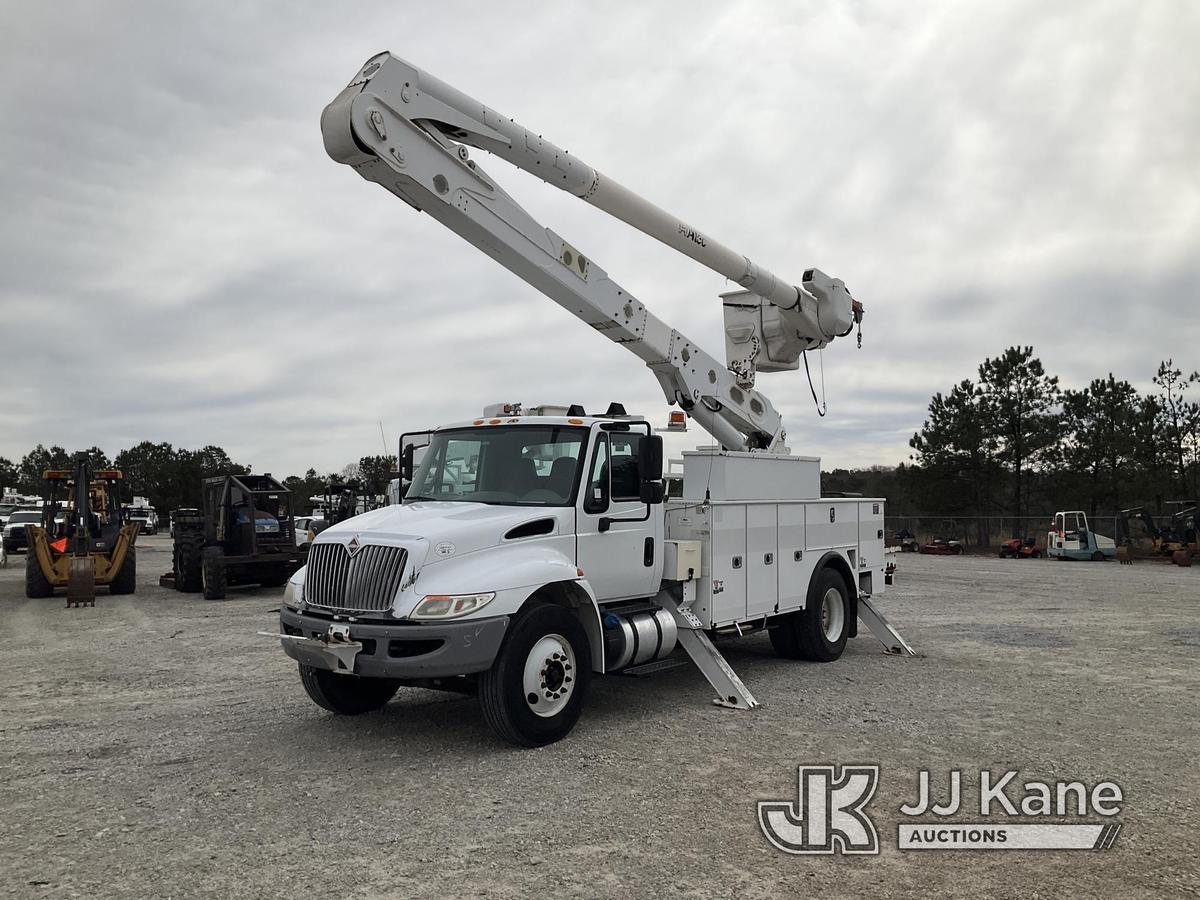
25	517
520	465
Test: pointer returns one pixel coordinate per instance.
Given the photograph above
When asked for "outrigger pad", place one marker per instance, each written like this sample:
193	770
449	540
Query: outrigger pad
81	582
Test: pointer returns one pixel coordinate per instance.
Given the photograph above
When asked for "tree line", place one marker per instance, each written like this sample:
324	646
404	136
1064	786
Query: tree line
170	477
1014	442
1011	442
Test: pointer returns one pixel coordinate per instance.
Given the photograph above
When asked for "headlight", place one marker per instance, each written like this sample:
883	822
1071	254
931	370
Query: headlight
293	594
450	606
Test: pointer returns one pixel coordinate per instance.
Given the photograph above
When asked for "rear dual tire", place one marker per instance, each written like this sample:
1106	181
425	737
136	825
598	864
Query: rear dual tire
817	633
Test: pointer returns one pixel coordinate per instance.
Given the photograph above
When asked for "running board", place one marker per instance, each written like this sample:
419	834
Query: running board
708	659
657	665
882	629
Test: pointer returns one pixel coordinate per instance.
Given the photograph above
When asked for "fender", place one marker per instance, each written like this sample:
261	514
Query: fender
836	561
516	572
578	595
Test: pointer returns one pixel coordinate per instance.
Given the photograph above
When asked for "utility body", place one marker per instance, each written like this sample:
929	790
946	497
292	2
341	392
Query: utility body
534	546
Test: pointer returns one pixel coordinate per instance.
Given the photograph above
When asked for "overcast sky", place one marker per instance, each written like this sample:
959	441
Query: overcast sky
180	261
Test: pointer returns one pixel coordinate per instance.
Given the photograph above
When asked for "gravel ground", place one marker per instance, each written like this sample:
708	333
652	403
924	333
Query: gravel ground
155	747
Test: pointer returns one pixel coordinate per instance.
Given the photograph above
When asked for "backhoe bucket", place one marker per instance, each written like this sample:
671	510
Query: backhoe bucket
81	582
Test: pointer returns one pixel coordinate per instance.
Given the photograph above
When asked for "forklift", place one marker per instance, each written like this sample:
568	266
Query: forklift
242	534
90	546
344	500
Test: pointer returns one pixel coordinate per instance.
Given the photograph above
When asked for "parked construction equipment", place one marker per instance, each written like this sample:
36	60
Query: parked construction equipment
1071	538
90	547
1173	536
344	500
242	535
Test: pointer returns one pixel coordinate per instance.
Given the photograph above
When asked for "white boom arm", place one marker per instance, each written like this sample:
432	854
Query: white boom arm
408	132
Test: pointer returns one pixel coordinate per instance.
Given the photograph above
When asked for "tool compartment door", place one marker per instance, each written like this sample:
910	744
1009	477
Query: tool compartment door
870	540
795	565
762	559
831	524
728	563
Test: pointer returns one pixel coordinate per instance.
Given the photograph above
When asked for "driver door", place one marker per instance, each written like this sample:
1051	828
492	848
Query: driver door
620	559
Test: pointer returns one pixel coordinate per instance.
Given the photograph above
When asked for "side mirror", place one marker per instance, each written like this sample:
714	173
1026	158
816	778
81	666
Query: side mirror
406	463
652	492
650	468
650	458
410	442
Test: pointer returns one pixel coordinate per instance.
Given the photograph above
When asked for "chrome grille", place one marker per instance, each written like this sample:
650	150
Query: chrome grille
366	581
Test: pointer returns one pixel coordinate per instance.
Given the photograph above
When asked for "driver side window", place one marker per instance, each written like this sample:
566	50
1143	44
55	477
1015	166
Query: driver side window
598	489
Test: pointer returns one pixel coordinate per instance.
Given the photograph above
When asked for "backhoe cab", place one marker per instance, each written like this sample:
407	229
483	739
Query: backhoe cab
90	546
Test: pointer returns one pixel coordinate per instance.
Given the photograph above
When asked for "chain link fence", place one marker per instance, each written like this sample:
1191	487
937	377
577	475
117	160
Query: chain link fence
980	533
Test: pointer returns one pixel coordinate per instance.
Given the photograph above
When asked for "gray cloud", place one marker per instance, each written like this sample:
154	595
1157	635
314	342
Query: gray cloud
979	175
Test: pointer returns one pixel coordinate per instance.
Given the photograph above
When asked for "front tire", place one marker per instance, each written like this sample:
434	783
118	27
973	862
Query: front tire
535	690
188	556
346	695
212	573
126	580
1097	556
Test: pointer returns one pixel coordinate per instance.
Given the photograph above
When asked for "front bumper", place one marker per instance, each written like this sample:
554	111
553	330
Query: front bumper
16	540
435	650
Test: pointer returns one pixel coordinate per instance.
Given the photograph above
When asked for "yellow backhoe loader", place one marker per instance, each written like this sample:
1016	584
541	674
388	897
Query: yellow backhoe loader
88	545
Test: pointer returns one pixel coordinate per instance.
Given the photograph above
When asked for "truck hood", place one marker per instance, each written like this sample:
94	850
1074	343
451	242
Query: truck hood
445	528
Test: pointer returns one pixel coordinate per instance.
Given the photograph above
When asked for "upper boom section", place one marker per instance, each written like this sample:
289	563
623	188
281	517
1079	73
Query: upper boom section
820	310
409	132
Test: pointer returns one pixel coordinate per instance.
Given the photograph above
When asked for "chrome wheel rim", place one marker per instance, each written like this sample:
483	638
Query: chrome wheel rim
833	615
549	676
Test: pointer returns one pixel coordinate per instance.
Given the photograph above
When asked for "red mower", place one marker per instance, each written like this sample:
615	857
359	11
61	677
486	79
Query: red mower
943	547
1020	549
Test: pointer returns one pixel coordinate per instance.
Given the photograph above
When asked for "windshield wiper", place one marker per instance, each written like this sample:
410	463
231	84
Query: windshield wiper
419	497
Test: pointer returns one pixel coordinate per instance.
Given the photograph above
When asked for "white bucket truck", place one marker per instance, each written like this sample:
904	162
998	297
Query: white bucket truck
534	547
